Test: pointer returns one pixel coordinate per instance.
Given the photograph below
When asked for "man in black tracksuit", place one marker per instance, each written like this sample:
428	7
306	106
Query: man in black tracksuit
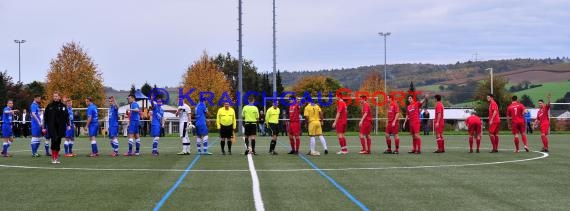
57	120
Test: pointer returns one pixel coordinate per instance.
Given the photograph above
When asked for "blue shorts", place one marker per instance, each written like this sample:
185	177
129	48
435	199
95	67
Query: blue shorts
134	127
6	131
113	131
70	133
155	130
201	130
36	131
93	129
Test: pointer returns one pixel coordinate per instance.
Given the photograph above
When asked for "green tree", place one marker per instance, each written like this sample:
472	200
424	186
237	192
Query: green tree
132	90
527	101
146	88
502	96
35	88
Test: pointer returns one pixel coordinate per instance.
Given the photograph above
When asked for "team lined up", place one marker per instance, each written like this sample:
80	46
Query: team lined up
58	124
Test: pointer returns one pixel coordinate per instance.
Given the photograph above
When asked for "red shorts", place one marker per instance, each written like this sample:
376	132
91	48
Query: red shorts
414	128
517	128
494	128
340	128
474	129
392	130
366	128
545	128
439	130
294	129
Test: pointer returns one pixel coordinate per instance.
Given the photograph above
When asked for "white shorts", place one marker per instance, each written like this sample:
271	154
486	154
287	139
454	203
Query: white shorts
183	128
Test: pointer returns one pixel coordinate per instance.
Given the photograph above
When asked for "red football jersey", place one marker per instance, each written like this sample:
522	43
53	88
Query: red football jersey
543	114
342	110
472	120
494	107
439	111
413	112
366	109
393	109
516	112
294	113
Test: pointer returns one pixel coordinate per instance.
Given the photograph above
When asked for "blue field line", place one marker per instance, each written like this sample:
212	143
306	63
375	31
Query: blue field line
175	186
331	180
338	186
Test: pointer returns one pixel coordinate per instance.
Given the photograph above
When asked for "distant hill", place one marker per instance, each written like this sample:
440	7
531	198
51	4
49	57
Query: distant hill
400	75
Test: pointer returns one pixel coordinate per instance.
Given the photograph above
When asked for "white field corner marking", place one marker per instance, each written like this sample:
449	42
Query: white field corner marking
255	184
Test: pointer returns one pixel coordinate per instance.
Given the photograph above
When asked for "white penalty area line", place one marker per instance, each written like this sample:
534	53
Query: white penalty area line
543	155
255	185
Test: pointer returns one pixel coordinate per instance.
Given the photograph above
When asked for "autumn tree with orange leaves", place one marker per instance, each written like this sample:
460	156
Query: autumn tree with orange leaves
74	74
374	84
205	76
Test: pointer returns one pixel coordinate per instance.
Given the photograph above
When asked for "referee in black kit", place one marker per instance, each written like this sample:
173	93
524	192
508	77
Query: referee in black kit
57	120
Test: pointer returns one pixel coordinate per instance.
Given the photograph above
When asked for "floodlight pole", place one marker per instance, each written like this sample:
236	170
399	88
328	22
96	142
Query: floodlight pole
491	72
274	52
19	59
240	68
385	35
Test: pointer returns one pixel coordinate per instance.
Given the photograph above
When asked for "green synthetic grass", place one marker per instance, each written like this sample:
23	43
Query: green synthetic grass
381	182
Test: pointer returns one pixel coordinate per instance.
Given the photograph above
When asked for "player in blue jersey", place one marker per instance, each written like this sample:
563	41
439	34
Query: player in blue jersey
157	122
134	126
37	125
45	133
92	125
70	130
7	117
114	126
202	128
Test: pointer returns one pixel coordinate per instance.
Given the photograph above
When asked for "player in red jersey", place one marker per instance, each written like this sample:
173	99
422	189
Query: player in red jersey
365	125
340	125
516	122
494	122
543	118
413	115
294	129
392	126
474	127
439	125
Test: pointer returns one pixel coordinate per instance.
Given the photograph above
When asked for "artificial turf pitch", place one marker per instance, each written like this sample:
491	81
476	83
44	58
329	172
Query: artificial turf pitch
455	180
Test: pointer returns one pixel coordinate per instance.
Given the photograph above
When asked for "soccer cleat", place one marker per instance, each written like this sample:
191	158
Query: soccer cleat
396	152
342	152
315	153
411	152
516	151
128	154
183	153
437	151
418	152
137	154
230	152
362	152
114	154
206	153
326	151
154	153
48	154
477	151
6	155
53	161
387	151
57	161
291	152
273	153
93	155
223	153
526	149
36	155
471	151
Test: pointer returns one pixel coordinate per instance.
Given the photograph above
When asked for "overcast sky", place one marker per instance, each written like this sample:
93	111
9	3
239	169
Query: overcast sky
133	41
